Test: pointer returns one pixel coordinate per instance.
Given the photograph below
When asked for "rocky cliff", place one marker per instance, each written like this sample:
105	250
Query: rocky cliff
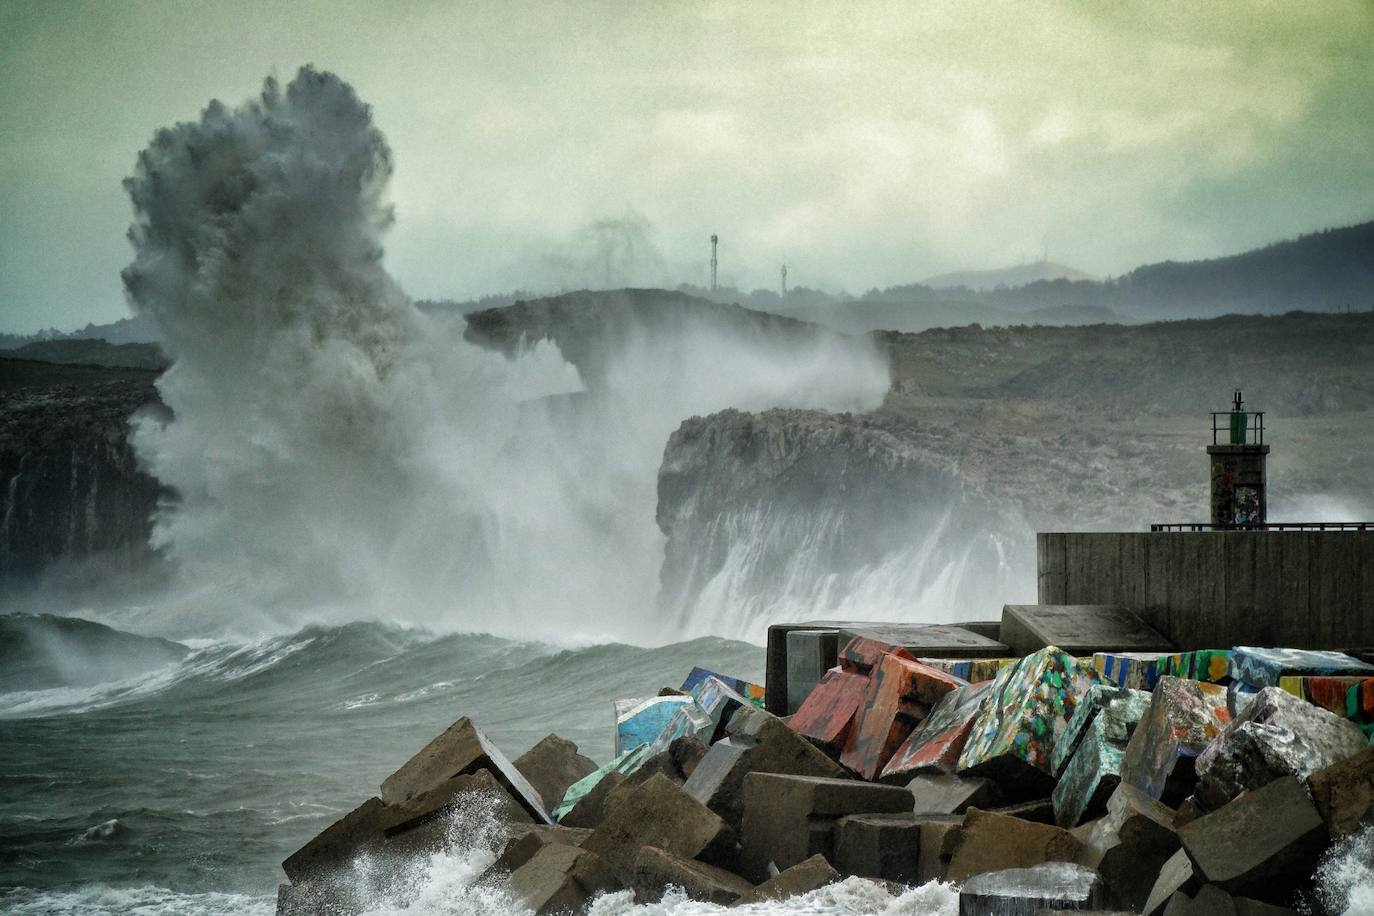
70	485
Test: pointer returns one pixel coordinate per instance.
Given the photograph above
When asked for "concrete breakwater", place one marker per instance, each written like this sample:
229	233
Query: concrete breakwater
1085	777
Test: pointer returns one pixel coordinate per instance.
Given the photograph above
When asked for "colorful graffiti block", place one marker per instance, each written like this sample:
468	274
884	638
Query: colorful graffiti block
900	693
828	712
1184	716
639	722
750	691
626	763
1092	748
1030	706
1328	692
973	670
1210	665
1117	708
713	703
934	746
1137	670
1262	667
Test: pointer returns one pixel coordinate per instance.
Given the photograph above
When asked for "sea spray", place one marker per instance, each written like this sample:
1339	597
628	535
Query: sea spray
336	454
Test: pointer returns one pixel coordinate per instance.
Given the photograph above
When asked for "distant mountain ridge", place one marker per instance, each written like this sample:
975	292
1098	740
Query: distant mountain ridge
1019	275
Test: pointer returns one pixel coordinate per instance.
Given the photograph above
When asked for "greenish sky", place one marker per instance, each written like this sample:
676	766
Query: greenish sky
864	144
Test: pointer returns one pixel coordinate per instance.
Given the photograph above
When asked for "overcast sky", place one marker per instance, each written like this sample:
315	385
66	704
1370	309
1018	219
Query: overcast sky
863	144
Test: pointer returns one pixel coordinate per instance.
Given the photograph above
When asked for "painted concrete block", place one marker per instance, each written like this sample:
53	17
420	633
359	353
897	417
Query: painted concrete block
973	670
1210	665
1262	667
1137	670
899	695
934	746
1030	706
1329	692
828	713
1123	708
713	703
750	691
1276	735
1078	629
639	722
1094	769
1184	716
775	679
624	764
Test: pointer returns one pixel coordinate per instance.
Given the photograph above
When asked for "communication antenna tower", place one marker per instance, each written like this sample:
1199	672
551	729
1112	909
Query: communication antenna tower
784	281
714	240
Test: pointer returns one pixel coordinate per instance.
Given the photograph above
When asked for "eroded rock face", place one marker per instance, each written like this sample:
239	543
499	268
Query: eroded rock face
70	484
771	509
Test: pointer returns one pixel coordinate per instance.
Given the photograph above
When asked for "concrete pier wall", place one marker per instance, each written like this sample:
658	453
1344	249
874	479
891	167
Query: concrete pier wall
1215	589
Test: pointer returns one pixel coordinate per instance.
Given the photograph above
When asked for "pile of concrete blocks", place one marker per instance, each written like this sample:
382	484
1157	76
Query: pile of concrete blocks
1105	778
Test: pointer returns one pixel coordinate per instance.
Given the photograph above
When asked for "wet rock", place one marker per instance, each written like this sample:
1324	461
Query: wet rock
1137	670
1183	718
590	808
481	787
787	819
1262	667
1276	735
1018	891
1131	844
1344	792
460	750
1014	734
655	870
993	842
551	766
358	831
318	899
1263	844
899	694
1077	629
1211	900
659	813
758	743
523	845
802	878
884	846
944	794
1176	876
934	745
561	879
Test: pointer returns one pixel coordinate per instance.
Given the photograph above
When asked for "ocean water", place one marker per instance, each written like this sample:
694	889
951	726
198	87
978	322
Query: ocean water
180	789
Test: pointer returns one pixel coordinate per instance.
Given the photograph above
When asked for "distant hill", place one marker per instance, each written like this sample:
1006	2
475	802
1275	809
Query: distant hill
92	352
1020	275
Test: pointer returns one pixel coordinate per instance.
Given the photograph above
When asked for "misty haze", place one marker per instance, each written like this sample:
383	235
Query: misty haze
938	394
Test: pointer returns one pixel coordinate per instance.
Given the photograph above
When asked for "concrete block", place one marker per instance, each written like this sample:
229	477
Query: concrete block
358	831
1013	738
1211	900
802	878
828	713
993	842
1037	811
1125	708
1078	629
928	640
713	704
1175	877
754	693
1210	665
937	838
775	680
1137	670
659	813
1131	844
768	745
1276	735
588	809
524	843
677	763
1263	844
1332	693
810	654
460	750
1026	891
640	721
480	787
1262	667
788	819
899	694
949	794
551	766
1183	718
1344	792
561	879
622	764
883	846
934	746
655	870
973	670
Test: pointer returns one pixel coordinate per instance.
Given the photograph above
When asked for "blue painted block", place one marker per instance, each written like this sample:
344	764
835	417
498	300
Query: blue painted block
1262	667
639	722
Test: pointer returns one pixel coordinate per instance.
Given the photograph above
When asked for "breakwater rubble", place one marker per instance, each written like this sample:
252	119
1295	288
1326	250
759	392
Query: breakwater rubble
1164	783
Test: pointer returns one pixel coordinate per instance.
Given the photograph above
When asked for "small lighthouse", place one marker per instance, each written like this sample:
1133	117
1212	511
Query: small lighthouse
1237	458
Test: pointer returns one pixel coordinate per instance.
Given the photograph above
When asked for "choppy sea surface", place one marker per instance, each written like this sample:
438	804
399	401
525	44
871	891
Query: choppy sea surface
180	789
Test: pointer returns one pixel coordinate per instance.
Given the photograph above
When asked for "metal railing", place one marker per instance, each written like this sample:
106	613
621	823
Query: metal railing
1250	431
1267	526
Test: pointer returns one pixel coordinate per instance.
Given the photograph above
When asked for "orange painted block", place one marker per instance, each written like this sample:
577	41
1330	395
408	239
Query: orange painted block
828	711
861	654
899	695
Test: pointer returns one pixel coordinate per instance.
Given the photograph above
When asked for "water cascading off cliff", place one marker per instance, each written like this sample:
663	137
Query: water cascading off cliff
337	454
